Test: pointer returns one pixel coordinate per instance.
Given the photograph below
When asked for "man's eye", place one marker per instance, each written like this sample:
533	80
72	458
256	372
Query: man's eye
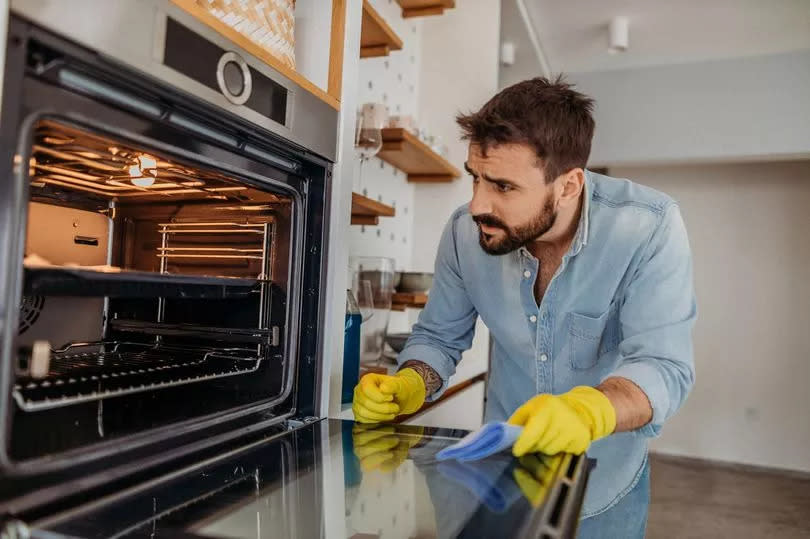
503	187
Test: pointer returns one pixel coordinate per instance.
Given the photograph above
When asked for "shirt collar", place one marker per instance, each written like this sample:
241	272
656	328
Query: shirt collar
581	238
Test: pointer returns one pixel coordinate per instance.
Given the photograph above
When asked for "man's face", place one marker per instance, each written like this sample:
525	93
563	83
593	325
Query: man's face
512	204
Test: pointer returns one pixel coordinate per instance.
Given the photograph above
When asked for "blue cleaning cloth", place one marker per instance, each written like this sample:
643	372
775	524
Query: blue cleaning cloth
488	440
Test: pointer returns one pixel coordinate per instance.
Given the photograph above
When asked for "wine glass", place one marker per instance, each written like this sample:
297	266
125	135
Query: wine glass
368	141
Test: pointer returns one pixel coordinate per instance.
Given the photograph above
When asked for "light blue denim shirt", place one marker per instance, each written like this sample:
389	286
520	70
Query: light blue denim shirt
622	303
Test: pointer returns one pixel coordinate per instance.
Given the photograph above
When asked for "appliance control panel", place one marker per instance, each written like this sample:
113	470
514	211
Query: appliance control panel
223	71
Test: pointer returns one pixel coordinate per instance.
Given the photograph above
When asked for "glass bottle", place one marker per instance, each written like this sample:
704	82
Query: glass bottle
351	348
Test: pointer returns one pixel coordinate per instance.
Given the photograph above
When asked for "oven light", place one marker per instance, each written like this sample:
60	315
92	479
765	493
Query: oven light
143	181
147	162
143	174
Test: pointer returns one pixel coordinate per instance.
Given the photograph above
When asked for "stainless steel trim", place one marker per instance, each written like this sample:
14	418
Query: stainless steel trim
247	80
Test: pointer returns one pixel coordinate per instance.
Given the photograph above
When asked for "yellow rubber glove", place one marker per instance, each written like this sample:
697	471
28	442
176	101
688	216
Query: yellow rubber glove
380	397
563	423
383	447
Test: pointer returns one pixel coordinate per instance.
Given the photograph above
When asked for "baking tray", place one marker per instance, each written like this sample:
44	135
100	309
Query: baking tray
61	281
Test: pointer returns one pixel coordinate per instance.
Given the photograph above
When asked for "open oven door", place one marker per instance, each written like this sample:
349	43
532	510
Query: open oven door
334	478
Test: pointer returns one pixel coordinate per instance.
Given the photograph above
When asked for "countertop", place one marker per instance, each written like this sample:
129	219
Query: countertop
337	479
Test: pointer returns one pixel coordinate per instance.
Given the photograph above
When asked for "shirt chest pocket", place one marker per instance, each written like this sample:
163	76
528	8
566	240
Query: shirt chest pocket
590	337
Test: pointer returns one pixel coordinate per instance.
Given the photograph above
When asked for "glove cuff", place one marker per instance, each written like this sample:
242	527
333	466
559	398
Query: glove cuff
594	408
416	391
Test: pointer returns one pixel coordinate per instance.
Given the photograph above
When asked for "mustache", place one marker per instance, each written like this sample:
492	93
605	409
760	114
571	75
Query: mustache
489	220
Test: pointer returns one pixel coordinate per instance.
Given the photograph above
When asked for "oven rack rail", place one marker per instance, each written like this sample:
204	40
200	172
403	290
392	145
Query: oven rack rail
87	372
216	241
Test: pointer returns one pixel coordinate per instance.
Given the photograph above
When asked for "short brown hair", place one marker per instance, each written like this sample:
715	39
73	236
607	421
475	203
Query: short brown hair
549	116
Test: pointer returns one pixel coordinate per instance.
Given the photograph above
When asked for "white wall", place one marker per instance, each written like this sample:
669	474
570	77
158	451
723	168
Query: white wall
393	81
748	227
719	110
459	73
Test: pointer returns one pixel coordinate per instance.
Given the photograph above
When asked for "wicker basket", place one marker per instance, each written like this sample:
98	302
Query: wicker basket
268	23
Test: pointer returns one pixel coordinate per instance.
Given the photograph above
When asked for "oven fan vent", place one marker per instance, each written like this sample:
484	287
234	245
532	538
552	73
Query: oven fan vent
30	309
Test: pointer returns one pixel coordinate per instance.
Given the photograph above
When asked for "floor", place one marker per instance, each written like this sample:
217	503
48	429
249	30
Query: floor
693	498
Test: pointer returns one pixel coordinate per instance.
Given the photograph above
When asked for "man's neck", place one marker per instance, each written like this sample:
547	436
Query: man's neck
558	239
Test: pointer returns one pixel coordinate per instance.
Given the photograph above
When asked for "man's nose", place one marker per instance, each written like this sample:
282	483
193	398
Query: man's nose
480	203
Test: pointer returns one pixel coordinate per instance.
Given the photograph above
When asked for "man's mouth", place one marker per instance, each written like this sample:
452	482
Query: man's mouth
488	230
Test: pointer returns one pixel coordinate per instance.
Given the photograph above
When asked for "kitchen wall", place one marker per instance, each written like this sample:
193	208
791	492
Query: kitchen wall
459	73
748	228
723	110
392	80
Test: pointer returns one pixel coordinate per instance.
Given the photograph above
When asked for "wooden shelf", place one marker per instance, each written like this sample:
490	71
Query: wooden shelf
366	211
336	49
423	8
376	37
403	150
403	300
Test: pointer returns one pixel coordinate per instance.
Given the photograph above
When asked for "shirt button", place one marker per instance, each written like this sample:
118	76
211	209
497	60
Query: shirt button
543	357
533	319
527	274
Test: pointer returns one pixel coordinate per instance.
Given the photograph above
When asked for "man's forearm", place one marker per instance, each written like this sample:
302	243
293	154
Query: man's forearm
432	379
632	406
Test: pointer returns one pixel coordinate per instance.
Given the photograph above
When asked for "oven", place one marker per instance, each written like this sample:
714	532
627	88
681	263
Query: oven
164	209
162	253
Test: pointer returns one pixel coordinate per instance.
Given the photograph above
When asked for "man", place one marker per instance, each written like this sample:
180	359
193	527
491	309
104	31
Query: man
585	283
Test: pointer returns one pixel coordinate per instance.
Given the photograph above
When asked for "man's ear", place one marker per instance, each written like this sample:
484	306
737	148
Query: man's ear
571	184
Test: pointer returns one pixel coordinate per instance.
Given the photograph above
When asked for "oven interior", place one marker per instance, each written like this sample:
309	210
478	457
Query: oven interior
154	291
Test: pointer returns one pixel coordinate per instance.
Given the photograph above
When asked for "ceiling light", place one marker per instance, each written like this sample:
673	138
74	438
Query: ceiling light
618	34
507	53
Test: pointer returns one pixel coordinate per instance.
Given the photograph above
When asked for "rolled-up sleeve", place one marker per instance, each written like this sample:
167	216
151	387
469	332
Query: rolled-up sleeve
657	317
446	325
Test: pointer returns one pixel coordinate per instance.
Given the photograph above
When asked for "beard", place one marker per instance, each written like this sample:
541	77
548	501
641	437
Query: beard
517	237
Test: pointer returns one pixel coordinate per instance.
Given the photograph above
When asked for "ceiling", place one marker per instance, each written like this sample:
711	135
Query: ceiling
573	34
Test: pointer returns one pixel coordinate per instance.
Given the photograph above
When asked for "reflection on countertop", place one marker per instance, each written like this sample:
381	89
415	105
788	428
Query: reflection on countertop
335	478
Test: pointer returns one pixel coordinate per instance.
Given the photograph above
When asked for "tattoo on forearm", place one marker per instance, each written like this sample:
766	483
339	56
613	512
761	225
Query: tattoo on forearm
432	379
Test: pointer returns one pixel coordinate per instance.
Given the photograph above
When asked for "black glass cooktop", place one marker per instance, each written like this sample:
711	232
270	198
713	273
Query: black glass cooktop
339	479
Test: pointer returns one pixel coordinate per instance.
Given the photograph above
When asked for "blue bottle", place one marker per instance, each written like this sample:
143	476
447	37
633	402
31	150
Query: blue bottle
351	348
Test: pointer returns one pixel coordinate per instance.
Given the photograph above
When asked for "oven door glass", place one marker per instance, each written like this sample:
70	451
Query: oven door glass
339	479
